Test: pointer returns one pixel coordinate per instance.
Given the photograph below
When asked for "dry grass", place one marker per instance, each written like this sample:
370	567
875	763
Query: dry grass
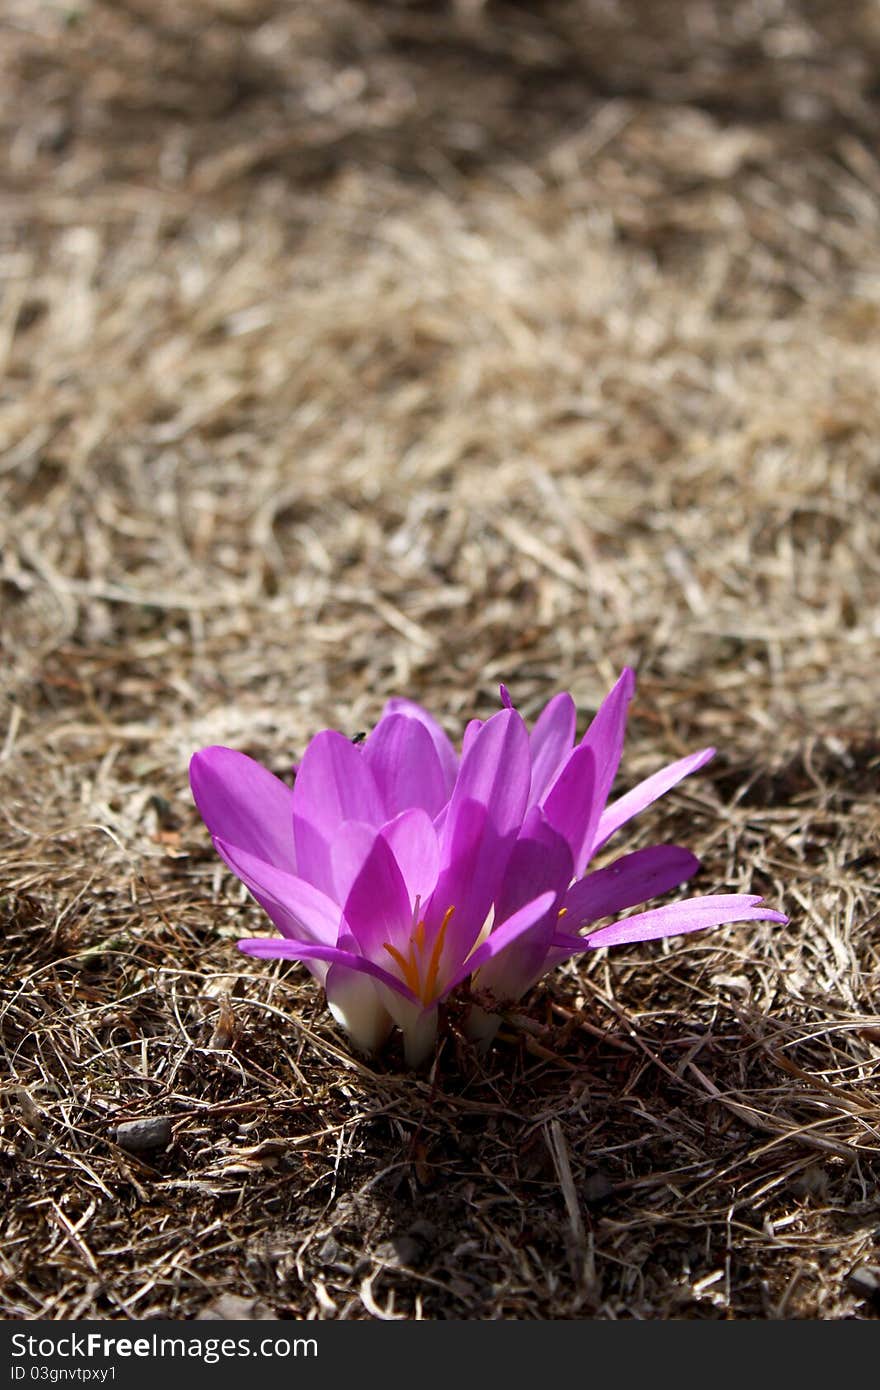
366	348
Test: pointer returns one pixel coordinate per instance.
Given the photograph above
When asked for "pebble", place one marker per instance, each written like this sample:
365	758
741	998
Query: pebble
138	1136
865	1282
232	1307
596	1186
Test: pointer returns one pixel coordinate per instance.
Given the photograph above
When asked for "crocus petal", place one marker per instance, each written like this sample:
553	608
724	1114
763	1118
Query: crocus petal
404	761
297	908
471	729
629	805
496	771
504	973
378	909
693	914
475	858
484	815
348	854
413	841
572	804
353	1000
441	740
551	742
605	734
501	937
540	861
280	948
630	880
244	804
333	785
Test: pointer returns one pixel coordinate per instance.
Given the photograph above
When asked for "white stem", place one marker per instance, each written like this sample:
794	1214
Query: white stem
356	1006
419	1037
481	1027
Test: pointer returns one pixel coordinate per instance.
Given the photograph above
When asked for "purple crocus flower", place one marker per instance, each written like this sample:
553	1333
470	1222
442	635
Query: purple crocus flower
394	870
381	867
567	822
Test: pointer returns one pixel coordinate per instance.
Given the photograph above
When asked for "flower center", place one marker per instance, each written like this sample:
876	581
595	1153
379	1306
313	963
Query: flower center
421	967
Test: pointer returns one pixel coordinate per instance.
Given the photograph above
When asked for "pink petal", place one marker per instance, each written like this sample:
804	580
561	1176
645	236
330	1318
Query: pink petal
605	734
471	729
296	907
572	805
674	919
501	937
628	881
496	771
441	741
413	841
540	861
333	785
485	813
275	948
378	910
349	850
629	805
244	804
474	858
404	761
551	742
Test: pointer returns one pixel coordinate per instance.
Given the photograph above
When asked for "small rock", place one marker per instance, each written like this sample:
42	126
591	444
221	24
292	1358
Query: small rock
232	1307
423	1230
865	1282
330	1251
138	1136
401	1252
811	1182
408	1249
596	1186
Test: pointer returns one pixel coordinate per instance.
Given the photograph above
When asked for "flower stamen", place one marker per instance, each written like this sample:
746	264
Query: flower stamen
436	953
410	964
408	968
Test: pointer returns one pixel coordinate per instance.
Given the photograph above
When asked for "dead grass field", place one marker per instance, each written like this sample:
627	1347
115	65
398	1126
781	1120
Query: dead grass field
354	349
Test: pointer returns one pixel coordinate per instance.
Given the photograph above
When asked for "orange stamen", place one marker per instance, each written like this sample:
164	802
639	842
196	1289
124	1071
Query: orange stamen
434	963
409	964
410	971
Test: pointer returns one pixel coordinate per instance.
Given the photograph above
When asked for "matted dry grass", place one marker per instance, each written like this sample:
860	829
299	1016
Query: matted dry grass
354	349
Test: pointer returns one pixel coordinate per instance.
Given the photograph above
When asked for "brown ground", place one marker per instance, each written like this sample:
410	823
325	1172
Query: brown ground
365	348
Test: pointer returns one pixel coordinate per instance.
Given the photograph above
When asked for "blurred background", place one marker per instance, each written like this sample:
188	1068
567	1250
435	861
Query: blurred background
359	347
